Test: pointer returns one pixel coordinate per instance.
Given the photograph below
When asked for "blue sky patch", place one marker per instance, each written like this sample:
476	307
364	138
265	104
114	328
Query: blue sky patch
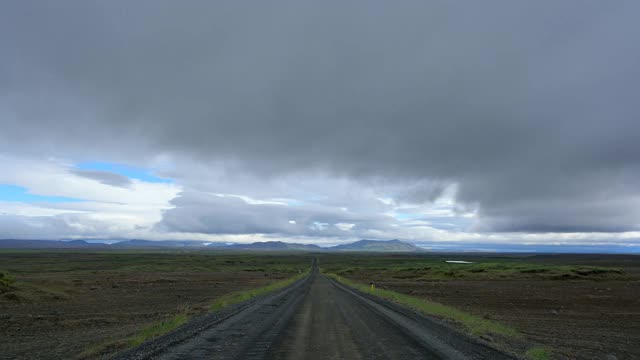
407	216
21	194
125	170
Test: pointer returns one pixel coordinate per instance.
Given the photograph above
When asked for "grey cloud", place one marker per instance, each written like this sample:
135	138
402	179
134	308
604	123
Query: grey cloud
212	214
51	227
530	108
105	177
557	215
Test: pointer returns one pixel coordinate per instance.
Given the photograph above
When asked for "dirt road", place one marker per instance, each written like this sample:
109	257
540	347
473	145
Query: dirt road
316	319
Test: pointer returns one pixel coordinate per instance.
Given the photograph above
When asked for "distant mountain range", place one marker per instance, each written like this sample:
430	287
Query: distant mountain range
362	245
275	245
373	245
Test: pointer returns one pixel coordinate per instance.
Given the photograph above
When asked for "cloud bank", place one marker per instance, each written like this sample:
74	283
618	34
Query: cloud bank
410	120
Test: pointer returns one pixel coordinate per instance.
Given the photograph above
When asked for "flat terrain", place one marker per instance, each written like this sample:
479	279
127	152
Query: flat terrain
334	322
579	306
317	318
64	303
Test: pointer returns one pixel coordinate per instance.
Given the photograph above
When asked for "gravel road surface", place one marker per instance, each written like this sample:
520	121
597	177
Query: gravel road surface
316	318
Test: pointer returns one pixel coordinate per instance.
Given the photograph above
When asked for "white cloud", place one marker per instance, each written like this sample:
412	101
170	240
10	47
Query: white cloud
115	210
345	226
328	211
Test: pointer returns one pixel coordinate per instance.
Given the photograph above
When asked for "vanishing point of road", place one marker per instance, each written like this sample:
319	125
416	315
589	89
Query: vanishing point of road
316	318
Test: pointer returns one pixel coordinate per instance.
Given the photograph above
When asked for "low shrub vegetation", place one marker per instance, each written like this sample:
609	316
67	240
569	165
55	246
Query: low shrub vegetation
432	269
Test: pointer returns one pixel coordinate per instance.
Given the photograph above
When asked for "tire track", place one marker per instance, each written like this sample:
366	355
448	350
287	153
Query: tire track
317	318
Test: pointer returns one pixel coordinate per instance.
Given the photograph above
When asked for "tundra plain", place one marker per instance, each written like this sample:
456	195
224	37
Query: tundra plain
83	305
67	304
572	306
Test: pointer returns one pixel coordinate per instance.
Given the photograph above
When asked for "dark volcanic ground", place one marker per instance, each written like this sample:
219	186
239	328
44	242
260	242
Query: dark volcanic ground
577	318
318	319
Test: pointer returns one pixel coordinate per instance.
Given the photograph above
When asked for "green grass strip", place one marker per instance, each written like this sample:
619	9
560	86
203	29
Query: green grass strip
240	296
148	333
157	329
476	325
6	281
170	324
537	353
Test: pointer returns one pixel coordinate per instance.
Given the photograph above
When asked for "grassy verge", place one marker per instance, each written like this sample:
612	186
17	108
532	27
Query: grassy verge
472	323
157	329
152	331
240	296
537	353
6	282
167	325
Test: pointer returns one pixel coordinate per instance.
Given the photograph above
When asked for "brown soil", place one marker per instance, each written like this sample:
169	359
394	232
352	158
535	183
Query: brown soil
56	314
577	319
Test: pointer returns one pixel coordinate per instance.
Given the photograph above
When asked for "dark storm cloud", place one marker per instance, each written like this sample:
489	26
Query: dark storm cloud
104	177
530	108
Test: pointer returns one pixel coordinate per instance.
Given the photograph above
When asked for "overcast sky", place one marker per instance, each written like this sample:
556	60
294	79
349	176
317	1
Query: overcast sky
321	121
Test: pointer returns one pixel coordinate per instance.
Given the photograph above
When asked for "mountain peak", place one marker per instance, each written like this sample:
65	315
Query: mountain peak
361	245
378	245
